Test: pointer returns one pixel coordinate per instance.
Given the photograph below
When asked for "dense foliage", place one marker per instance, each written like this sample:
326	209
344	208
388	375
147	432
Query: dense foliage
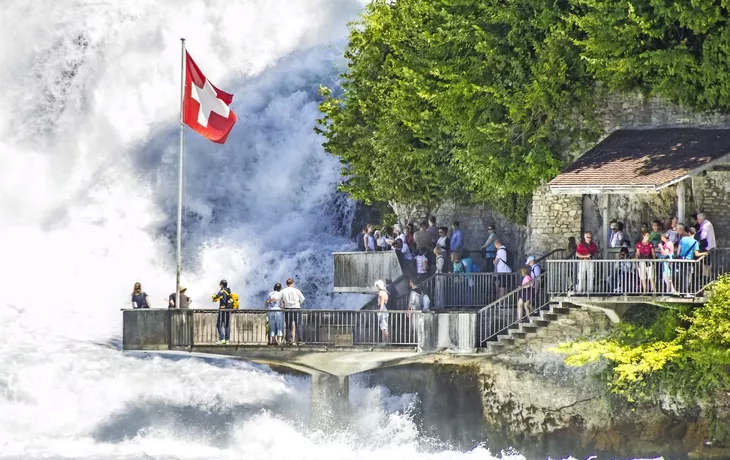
678	351
478	100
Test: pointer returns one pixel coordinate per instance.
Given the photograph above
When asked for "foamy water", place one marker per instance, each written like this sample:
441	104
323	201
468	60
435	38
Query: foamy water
88	143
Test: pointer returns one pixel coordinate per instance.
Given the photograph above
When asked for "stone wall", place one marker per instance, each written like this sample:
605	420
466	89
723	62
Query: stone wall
473	221
712	196
552	220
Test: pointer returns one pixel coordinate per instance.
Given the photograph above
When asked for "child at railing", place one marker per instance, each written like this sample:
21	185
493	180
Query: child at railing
666	251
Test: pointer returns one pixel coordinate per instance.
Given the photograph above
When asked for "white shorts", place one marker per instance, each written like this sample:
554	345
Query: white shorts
646	270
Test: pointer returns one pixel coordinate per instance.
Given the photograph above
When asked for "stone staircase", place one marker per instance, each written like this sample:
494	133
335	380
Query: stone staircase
520	334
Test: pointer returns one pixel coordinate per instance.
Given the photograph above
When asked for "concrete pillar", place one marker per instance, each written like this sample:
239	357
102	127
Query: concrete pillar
605	211
682	201
329	403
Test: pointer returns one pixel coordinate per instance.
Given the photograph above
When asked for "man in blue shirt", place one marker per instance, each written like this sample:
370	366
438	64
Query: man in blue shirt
687	249
457	242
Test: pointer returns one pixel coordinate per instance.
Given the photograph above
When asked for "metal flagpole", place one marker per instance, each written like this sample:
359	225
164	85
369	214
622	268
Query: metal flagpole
180	174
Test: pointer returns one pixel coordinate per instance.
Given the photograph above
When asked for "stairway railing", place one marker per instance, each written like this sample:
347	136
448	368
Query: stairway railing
503	313
500	315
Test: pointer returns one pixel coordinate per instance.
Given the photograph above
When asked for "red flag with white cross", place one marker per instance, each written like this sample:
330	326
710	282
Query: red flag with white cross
205	107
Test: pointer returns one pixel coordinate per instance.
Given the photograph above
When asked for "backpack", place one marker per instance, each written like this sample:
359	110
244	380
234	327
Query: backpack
233	301
475	268
425	302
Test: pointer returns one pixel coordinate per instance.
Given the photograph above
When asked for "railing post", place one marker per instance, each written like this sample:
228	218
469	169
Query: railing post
191	328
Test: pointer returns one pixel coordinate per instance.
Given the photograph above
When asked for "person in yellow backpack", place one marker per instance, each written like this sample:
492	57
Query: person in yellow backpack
224	317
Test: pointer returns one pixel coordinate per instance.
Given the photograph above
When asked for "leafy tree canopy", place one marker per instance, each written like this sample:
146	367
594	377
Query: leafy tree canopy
478	100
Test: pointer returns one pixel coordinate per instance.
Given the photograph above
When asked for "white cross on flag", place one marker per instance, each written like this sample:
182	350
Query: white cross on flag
205	107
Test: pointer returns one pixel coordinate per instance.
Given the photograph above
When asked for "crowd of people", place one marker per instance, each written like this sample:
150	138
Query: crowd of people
656	245
283	310
432	249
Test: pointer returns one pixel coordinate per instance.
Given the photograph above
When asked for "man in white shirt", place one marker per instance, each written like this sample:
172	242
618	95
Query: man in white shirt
707	232
292	299
500	266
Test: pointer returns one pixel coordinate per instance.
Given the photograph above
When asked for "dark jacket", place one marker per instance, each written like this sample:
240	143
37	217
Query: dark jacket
392	297
222	296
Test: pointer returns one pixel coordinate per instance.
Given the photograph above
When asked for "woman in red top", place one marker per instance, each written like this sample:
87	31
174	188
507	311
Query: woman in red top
645	252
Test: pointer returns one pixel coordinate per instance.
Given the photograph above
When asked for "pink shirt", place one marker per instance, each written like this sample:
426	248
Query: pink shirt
667	249
526	280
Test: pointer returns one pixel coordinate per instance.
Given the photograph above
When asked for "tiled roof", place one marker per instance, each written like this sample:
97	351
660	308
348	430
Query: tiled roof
645	159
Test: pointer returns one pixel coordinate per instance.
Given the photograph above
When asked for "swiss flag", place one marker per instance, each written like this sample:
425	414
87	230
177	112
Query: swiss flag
205	107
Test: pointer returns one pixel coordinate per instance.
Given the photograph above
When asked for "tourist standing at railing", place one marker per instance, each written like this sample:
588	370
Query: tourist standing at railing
383	298
370	238
424	242
223	323
392	303
440	280
655	236
586	251
433	230
139	297
645	253
361	239
688	250
443	241
276	316
185	301
623	275
457	240
706	233
502	268
381	239
417	299
421	265
666	252
673	231
292	298
525	294
617	235
490	250
410	231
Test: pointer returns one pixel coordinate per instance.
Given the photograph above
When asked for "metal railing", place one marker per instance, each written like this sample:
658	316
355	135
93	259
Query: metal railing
637	277
510	309
190	328
462	290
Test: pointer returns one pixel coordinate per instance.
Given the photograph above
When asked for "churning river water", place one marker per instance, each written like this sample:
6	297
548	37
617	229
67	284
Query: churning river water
88	150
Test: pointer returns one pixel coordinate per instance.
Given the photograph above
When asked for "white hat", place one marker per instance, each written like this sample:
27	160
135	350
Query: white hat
530	259
397	227
380	285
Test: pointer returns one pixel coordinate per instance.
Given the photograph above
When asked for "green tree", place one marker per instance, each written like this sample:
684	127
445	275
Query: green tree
676	49
469	100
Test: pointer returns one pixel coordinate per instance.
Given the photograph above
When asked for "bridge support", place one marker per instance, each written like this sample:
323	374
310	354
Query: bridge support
329	403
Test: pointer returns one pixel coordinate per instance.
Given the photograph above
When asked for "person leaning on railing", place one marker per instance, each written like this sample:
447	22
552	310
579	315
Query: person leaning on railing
585	251
645	253
382	309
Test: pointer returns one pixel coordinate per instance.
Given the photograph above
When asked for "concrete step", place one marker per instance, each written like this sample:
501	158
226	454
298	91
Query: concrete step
505	340
516	334
495	347
528	328
539	322
559	310
548	316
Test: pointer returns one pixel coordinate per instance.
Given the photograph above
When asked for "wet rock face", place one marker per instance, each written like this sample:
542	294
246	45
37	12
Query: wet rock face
564	412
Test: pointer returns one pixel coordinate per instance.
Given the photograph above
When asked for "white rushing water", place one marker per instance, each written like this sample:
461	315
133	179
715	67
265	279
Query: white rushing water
88	143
